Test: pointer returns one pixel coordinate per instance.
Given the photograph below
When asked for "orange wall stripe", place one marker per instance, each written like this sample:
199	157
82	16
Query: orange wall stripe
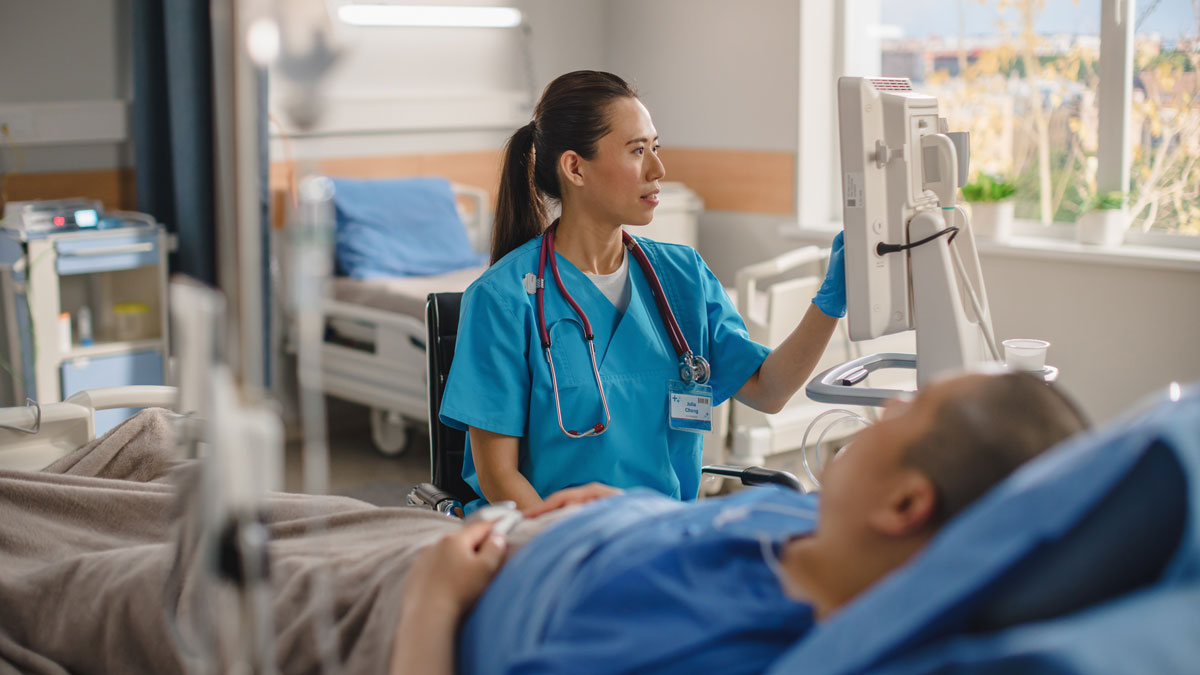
113	187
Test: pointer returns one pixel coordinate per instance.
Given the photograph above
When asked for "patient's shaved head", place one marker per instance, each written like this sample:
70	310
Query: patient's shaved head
891	489
984	428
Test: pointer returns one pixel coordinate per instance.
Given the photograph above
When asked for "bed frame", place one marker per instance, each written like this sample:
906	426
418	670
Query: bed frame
383	367
34	436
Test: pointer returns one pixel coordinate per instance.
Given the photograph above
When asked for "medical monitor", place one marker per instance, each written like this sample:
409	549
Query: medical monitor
881	123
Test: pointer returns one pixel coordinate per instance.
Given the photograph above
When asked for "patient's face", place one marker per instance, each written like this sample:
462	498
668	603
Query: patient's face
859	481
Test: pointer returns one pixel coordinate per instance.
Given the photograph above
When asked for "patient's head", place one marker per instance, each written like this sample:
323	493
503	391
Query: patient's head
901	479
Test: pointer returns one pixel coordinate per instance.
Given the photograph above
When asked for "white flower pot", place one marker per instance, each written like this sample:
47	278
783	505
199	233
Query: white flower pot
1102	227
992	220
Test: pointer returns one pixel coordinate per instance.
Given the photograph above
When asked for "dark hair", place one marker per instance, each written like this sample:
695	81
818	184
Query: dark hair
571	115
982	435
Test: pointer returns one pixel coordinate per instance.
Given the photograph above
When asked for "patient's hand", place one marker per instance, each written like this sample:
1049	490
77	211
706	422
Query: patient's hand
453	573
439	589
571	496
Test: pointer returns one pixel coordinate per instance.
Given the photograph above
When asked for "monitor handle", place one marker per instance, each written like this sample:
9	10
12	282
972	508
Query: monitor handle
836	385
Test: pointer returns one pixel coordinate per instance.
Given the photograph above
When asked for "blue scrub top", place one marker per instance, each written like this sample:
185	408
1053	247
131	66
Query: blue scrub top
640	583
500	381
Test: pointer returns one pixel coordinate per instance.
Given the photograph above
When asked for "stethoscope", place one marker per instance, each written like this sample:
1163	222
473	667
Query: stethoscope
692	368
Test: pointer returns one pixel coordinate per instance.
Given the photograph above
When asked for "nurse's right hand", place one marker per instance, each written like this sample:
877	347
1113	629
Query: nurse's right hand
831	298
572	496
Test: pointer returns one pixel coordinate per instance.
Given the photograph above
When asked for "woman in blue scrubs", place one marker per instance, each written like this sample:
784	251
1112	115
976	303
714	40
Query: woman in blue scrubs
587	357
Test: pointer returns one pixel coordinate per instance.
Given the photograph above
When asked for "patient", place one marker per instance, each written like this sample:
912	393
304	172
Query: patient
88	560
642	583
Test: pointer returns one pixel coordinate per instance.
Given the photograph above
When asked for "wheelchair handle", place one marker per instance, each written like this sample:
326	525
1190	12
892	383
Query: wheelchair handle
756	475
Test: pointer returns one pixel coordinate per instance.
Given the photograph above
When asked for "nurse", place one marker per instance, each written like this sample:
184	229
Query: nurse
586	357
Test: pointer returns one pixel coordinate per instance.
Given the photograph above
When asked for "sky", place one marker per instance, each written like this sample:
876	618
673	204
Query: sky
919	18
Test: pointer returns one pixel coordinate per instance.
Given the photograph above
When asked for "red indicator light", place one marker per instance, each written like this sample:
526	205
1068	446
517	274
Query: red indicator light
59	221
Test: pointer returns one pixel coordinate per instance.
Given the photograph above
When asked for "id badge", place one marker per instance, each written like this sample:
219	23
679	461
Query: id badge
689	406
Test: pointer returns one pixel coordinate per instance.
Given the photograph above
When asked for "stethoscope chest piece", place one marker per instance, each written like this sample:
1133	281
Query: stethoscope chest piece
694	369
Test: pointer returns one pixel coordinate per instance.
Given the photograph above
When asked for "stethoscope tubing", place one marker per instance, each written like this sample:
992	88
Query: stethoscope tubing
695	365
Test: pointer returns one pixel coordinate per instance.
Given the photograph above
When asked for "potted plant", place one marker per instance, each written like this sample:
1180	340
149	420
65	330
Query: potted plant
991	208
1103	221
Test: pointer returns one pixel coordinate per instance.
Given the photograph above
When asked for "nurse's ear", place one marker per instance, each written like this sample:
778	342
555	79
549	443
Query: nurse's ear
570	168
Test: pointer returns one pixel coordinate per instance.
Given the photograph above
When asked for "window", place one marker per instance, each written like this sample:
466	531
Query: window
1023	76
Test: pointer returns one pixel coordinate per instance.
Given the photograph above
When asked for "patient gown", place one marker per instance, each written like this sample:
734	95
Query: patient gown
642	583
500	380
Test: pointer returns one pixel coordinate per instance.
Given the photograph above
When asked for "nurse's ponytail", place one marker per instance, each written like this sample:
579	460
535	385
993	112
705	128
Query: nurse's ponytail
520	208
571	115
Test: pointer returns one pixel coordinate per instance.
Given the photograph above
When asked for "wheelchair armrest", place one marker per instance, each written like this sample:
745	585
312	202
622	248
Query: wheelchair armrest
428	495
756	475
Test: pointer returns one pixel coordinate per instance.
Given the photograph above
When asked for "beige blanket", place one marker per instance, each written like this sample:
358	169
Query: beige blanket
86	547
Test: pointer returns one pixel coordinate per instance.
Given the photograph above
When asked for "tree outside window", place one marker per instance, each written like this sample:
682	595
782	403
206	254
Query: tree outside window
1023	75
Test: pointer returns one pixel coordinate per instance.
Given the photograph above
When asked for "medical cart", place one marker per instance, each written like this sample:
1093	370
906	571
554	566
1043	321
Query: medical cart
83	302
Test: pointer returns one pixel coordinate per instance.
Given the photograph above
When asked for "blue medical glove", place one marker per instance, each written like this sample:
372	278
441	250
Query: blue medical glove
831	299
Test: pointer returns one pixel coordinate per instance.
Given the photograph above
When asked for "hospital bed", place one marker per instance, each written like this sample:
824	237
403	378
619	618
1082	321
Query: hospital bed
374	348
33	436
1085	560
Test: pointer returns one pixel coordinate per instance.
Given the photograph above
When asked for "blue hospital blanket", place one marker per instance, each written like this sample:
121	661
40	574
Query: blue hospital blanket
652	585
643	583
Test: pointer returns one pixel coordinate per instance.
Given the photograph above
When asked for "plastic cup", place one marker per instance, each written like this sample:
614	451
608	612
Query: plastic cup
1025	354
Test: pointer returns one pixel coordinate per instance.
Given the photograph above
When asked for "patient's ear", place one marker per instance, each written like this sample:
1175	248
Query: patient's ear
570	167
909	506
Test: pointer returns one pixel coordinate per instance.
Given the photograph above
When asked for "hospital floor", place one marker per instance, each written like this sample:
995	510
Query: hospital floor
356	468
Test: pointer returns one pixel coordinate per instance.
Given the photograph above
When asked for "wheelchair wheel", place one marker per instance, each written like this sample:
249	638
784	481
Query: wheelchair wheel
389	432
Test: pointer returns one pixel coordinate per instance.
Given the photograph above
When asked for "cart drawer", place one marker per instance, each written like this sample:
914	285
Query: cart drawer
86	255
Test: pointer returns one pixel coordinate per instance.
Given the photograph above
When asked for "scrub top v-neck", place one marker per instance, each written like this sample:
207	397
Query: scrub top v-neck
500	382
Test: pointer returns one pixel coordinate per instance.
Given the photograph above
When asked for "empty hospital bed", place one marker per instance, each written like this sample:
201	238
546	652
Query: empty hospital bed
374	348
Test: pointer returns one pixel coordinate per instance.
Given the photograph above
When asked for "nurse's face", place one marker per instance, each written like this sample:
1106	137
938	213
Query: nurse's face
620	182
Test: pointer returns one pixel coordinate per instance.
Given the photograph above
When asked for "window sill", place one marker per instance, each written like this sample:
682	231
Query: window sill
1125	255
1053	246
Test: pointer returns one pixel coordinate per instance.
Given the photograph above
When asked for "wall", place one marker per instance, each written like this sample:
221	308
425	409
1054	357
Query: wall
440	90
1118	331
66	51
467	89
714	74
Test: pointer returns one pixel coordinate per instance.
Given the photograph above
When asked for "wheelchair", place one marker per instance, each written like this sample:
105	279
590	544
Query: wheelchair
447	491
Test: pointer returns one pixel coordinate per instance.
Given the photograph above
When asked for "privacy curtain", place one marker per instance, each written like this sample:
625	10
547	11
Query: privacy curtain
173	127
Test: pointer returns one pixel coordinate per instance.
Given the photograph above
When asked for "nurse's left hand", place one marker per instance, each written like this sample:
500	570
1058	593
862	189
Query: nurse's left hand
572	496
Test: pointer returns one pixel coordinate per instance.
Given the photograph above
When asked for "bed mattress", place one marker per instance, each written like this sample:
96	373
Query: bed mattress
402	295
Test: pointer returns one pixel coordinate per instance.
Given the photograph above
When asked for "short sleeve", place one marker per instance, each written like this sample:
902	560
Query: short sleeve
488	386
733	355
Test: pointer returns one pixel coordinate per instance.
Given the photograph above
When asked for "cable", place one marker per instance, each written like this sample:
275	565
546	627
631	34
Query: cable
847	414
884	249
985	322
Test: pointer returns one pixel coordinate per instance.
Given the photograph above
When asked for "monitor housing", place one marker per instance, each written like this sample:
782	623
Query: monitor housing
882	122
